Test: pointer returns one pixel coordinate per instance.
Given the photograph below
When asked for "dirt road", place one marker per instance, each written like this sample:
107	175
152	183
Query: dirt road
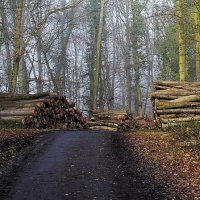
76	166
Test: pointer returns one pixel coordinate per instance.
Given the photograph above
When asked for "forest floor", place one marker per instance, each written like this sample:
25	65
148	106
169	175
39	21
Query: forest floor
156	164
170	159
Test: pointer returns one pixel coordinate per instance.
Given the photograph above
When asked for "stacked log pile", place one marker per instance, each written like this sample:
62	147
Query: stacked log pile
41	111
118	120
176	102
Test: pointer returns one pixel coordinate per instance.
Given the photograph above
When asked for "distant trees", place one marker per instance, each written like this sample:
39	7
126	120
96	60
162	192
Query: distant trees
102	54
178	34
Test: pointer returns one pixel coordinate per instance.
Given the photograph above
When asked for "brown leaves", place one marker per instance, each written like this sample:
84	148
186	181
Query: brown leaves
175	165
12	141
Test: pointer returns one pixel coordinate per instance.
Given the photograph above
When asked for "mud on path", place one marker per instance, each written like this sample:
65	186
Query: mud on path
79	165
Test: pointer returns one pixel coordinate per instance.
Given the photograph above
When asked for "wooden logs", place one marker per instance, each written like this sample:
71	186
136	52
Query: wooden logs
24	97
171	104
16	112
119	120
42	111
176	102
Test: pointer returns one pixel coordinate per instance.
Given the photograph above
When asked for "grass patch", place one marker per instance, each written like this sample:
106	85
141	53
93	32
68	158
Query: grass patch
185	131
4	124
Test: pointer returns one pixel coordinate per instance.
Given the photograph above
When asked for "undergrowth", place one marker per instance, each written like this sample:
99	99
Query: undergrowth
186	131
4	124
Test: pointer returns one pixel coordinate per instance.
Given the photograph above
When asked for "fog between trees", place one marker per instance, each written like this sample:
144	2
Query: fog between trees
103	54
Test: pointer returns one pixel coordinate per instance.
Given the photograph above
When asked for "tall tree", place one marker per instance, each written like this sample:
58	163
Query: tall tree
181	39
197	36
98	55
18	37
93	10
137	35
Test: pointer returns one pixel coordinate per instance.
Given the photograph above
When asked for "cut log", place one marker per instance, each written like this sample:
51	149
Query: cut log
26	97
191	98
117	117
103	128
173	92
16	113
183	119
13	118
179	84
98	112
179	111
163	96
99	123
170	83
175	102
109	114
158	87
138	117
41	111
159	104
170	116
110	121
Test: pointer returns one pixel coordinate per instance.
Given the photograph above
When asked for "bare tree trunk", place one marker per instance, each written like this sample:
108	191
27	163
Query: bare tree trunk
138	99
23	78
1	28
62	65
98	56
17	47
136	59
55	89
6	38
39	82
128	80
112	88
150	54
197	37
182	54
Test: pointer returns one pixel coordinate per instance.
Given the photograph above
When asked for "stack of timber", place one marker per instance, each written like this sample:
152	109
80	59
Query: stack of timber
117	121
41	111
175	102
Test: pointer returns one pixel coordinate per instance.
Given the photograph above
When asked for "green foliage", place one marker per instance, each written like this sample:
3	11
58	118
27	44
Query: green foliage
137	29
186	131
93	9
167	42
167	50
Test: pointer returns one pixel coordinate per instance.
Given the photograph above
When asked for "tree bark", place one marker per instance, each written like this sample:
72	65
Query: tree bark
181	40
179	111
173	93
168	105
183	119
17	47
23	77
10	113
98	56
191	98
197	36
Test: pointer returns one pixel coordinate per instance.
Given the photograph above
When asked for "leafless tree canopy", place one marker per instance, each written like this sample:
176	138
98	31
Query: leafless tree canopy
101	54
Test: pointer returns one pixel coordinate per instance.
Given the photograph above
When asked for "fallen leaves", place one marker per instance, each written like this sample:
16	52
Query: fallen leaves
176	166
12	141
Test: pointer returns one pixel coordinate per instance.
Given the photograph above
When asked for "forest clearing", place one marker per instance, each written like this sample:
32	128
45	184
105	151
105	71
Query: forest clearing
103	95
